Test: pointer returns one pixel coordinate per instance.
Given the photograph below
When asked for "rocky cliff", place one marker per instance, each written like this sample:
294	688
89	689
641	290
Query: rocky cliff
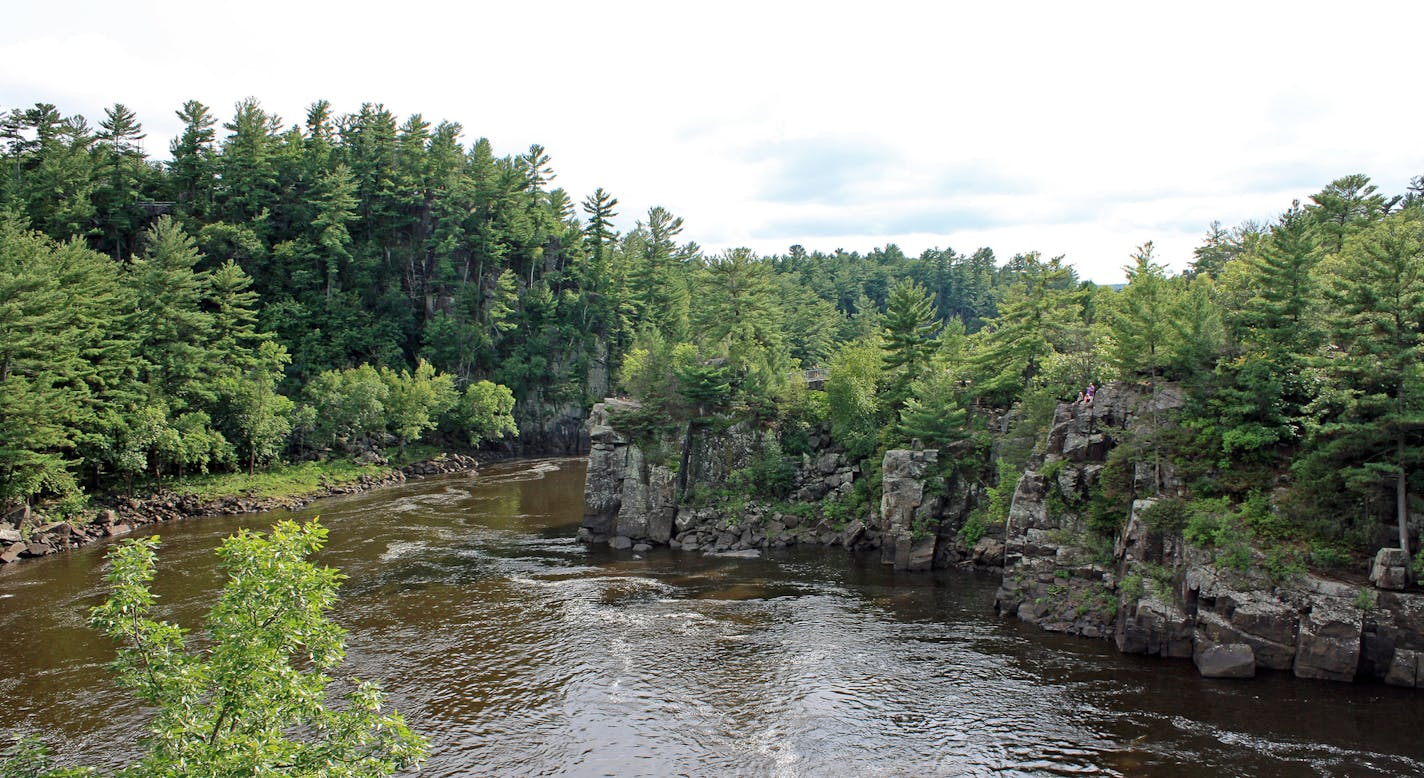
1148	591
1152	593
1054	574
631	500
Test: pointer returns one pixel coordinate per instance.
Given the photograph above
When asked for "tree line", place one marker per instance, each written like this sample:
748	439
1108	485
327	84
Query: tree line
359	277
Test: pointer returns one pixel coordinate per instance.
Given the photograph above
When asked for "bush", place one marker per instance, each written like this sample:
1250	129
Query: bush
255	693
973	528
1132	587
1166	517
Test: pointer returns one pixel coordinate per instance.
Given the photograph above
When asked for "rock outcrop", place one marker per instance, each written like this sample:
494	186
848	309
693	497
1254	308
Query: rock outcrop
629	499
1166	598
1053	576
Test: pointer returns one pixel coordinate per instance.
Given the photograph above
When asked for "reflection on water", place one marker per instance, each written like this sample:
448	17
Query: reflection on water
520	652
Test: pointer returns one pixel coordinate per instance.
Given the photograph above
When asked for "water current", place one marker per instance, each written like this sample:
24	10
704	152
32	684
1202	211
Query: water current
519	652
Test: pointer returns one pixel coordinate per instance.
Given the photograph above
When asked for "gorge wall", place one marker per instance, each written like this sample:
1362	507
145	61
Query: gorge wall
1148	591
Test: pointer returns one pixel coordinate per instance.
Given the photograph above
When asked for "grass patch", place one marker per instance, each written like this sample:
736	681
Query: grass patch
281	481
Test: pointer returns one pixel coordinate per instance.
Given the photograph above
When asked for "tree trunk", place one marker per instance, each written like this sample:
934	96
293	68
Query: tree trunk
1401	496
681	488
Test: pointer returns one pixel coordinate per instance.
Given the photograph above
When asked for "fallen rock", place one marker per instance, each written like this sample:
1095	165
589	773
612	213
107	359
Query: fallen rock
989	552
1404	668
1391	569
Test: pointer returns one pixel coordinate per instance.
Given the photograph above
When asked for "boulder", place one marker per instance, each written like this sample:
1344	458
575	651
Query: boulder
8	535
12	553
914	554
1391	569
1266	618
19	517
1405	668
989	552
1153	627
1212	628
38	549
1226	660
621	543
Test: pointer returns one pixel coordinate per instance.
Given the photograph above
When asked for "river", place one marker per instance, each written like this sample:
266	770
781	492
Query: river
520	652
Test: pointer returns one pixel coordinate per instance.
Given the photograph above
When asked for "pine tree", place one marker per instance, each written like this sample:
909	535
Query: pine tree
1376	431
911	323
1140	321
192	166
1039	313
120	168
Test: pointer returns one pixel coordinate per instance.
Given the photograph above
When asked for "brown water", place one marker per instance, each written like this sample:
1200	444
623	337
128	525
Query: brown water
520	652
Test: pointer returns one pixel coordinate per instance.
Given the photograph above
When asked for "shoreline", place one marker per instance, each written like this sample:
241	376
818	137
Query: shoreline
123	514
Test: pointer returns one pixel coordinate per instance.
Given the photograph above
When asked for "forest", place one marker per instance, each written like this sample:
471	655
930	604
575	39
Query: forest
274	289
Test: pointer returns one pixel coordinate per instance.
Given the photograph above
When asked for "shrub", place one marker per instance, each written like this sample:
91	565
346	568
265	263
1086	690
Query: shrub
973	528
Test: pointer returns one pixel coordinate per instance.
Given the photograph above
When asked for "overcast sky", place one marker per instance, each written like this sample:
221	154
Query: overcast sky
1081	129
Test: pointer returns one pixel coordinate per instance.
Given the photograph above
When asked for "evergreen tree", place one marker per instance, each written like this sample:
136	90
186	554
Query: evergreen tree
1040	312
737	316
1374	430
910	322
192	166
1141	325
1346	206
57	328
120	171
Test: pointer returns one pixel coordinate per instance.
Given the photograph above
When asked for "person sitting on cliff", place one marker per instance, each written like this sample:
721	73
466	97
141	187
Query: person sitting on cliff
1088	395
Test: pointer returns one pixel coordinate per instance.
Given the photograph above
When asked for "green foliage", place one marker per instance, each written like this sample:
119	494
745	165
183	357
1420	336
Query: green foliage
771	475
415	401
1329	556
1001	494
257	697
135	351
1132	587
853	402
485	412
61	347
278	481
261	415
1167	517
1040	315
910	323
973	529
27	757
1141	324
934	412
1366	599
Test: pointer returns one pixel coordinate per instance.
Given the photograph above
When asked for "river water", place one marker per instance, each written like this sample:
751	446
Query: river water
520	652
